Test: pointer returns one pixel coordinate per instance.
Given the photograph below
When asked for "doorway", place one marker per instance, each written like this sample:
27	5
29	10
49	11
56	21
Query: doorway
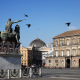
68	63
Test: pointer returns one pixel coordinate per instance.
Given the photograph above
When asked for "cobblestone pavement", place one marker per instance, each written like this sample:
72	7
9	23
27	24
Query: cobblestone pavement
55	74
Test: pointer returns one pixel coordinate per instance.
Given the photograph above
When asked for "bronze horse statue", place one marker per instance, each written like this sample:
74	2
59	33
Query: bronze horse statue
9	34
13	36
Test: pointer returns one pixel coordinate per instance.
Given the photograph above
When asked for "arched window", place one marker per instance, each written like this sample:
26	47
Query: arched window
67	42
49	61
74	62
62	62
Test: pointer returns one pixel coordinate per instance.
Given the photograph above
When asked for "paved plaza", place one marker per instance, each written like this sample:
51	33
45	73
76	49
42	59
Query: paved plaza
55	74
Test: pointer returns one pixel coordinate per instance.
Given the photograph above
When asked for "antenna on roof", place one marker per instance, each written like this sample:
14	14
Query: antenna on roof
37	32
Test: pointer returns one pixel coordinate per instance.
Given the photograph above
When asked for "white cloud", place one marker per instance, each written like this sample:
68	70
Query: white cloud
72	28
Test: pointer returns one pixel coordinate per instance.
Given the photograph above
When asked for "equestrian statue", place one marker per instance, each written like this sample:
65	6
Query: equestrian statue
9	34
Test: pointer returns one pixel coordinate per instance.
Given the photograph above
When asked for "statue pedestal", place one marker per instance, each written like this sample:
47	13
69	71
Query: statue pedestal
10	65
10	58
10	61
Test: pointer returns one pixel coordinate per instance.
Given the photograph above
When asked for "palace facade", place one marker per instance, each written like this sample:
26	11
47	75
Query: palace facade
67	49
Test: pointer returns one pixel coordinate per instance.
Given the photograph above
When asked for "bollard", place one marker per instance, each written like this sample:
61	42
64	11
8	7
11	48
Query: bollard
20	73
8	73
40	72
30	72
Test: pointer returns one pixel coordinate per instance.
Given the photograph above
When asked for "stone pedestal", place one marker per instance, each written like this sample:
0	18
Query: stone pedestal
10	61
10	65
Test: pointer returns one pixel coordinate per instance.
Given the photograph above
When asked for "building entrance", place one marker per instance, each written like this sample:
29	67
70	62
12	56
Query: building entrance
68	63
79	62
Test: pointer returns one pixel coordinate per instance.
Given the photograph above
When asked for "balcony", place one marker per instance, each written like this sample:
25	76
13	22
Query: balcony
66	56
66	45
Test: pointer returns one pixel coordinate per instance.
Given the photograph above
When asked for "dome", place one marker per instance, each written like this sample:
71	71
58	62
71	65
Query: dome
37	43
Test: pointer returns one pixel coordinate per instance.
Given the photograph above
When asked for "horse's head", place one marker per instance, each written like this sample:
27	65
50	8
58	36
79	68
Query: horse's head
17	28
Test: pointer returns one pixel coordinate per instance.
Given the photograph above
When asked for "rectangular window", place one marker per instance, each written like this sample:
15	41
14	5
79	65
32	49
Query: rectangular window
56	61
56	53
74	52
61	43
49	61
73	41
67	42
61	53
68	53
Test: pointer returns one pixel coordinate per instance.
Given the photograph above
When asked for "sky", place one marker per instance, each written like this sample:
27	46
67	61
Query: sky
47	18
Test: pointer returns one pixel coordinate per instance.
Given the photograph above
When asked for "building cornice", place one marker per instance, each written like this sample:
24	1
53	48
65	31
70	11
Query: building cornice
66	36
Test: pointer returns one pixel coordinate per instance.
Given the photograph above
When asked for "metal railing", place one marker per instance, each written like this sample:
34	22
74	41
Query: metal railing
18	73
